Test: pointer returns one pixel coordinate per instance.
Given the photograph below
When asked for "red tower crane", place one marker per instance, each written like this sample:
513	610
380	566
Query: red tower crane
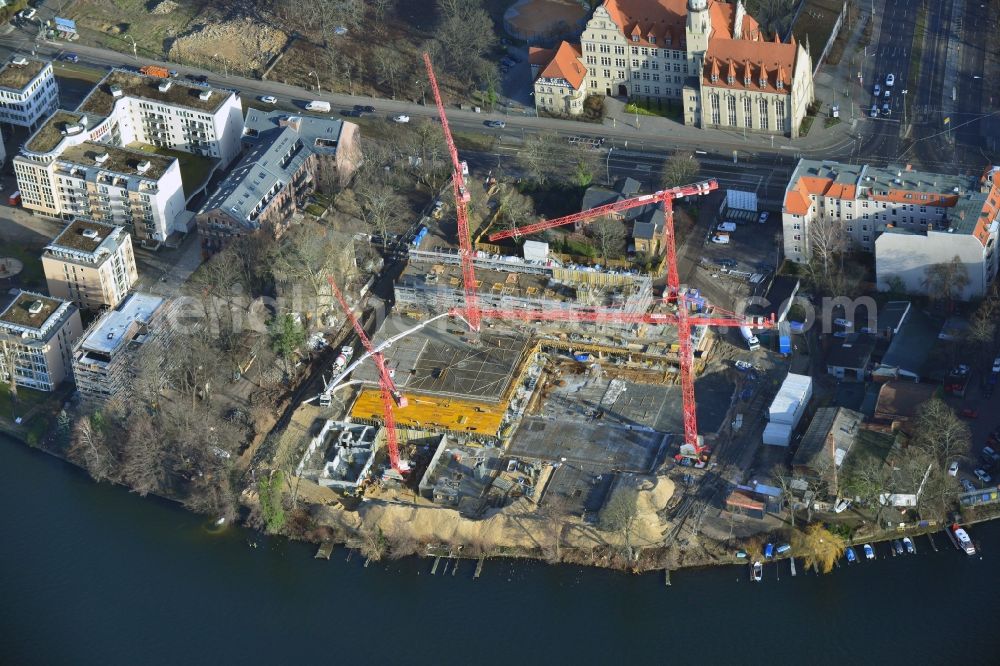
461	211
387	386
692	446
663	196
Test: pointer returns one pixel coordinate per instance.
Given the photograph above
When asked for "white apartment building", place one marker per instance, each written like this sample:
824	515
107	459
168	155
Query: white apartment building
705	56
103	358
28	91
37	334
118	186
909	219
91	264
167	113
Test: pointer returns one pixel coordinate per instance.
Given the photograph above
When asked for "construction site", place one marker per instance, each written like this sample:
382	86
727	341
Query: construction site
501	386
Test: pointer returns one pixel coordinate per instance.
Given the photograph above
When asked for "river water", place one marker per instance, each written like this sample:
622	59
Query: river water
91	574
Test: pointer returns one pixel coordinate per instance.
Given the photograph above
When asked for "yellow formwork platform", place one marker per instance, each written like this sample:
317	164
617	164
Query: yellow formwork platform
432	413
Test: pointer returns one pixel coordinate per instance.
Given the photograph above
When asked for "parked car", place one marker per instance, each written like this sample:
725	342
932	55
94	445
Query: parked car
885	109
878	90
967	486
762	218
887	94
890	80
71	57
874	111
841	506
401	119
364	108
269	99
197	78
721	239
953	468
982	475
496	124
727	227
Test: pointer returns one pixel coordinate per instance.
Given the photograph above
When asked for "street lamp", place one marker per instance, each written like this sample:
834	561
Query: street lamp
904	109
607	163
135	50
225	64
318	89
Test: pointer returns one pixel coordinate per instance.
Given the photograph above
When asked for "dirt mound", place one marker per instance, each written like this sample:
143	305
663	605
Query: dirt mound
164	7
243	44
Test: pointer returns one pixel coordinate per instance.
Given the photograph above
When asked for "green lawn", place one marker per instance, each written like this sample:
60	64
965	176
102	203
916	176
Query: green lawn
194	168
643	109
26	399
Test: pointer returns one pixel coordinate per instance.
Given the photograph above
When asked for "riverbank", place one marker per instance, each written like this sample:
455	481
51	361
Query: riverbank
388	529
98	575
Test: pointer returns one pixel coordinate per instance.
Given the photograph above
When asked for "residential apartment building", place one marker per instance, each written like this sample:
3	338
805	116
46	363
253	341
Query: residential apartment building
28	91
104	357
706	56
287	157
167	113
91	264
119	186
909	219
37	334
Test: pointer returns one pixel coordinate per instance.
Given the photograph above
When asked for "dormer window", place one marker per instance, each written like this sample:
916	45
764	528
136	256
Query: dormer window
781	84
763	81
652	39
746	80
730	79
635	38
715	77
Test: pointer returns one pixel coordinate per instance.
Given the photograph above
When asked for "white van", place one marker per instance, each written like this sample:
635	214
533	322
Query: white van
317	105
727	226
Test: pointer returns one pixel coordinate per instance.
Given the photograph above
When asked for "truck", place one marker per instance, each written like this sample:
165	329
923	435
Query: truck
14	199
155	70
752	342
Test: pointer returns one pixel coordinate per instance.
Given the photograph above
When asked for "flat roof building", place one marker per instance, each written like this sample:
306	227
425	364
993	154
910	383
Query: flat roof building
91	264
28	91
103	358
140	191
36	340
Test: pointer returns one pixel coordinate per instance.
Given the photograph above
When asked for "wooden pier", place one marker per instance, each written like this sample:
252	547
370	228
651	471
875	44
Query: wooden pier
325	551
792	560
434	568
666	577
479	567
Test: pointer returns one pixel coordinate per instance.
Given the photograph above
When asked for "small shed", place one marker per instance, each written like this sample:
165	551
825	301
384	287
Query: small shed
535	251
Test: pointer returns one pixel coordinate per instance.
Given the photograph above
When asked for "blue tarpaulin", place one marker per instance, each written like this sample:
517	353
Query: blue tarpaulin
65	25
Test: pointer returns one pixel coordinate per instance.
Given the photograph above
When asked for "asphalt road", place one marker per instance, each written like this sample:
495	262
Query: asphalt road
893	43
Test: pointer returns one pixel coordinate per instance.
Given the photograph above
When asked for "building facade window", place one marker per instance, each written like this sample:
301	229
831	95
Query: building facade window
764	120
731	105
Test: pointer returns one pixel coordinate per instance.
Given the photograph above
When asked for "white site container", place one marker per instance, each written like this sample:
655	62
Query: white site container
777	434
536	251
791	401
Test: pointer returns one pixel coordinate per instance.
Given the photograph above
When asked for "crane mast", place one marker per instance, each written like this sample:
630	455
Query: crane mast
461	210
387	387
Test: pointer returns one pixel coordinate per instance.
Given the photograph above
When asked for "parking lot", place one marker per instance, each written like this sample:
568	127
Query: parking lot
753	247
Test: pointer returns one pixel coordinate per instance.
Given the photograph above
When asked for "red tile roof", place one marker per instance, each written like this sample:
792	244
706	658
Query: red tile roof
776	61
564	64
662	20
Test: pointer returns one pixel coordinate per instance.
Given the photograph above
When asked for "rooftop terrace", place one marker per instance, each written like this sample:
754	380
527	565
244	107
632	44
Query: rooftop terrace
53	130
83	235
119	160
30	310
100	101
17	77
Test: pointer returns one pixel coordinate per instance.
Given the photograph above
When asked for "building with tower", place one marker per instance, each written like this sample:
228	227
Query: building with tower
708	57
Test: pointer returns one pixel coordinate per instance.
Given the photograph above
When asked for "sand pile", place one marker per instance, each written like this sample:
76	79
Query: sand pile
164	7
242	44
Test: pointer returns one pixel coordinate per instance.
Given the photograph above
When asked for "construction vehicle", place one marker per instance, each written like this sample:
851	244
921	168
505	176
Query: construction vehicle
155	70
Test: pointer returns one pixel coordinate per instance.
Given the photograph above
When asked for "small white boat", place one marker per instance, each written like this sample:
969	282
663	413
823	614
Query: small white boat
963	539
869	551
758	571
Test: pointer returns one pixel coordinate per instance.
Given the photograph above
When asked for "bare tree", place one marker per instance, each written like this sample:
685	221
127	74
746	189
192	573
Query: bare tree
870	481
379	205
609	235
380	8
388	67
679	169
309	255
466	33
90	446
827	242
539	159
940	433
620	514
514	209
